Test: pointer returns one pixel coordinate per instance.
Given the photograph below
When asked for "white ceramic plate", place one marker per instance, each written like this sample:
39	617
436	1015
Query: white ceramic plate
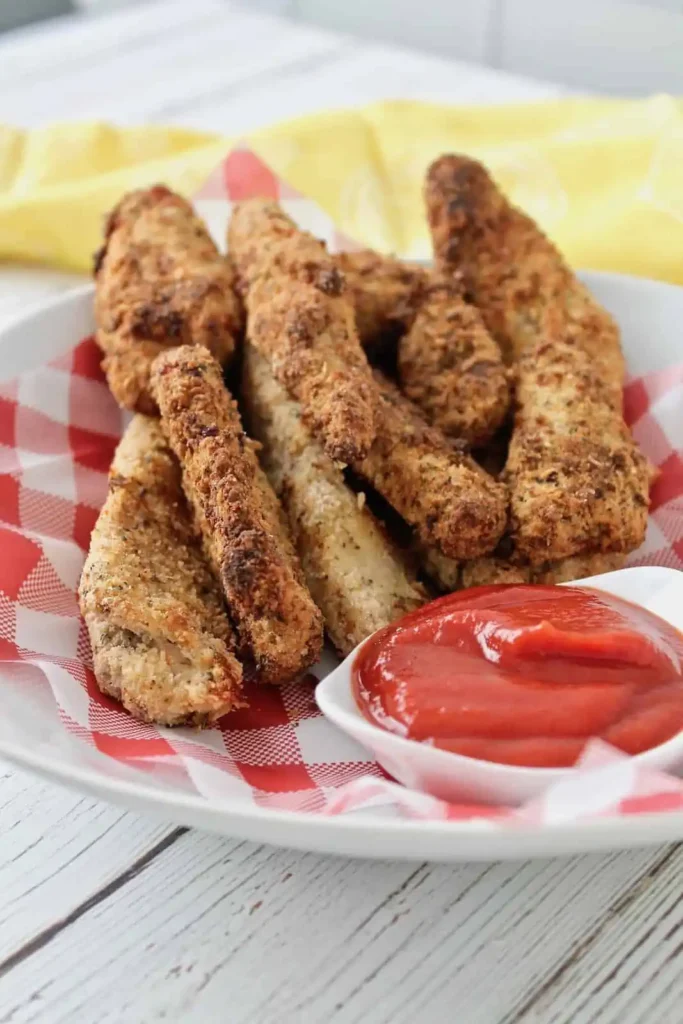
650	314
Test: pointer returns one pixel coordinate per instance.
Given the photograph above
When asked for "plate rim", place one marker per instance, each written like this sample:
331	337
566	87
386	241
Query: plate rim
346	834
460	840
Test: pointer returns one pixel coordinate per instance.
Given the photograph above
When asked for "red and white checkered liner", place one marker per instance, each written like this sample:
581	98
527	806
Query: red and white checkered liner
58	429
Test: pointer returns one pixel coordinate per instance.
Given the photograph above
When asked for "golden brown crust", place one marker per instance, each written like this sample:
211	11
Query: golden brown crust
237	515
524	289
448	575
302	322
482	572
449	365
160	637
384	291
578	483
159	282
448	499
485	571
578	568
352	572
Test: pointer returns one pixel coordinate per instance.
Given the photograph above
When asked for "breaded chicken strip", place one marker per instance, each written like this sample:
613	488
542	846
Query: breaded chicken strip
449	575
449	365
524	289
354	576
484	571
301	320
442	493
578	483
160	637
384	291
569	569
159	282
237	515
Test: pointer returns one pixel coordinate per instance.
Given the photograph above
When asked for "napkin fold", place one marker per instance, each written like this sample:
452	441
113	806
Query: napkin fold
601	176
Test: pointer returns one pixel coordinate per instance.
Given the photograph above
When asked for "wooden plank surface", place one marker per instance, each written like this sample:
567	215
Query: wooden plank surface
289	937
108	917
59	850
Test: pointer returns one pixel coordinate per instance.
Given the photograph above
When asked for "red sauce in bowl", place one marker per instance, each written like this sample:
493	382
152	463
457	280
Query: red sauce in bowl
525	675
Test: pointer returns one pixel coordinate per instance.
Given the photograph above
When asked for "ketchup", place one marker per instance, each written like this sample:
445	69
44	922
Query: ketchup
525	675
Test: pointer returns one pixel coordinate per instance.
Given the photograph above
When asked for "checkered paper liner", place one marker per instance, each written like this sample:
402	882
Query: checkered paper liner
59	427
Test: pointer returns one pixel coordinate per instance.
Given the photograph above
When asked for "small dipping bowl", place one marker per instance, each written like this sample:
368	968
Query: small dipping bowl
454	777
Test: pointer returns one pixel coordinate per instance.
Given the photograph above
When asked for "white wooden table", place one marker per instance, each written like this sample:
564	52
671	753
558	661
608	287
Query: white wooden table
108	917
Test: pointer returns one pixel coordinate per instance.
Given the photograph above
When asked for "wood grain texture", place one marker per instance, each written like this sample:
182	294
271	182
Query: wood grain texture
294	938
57	850
627	971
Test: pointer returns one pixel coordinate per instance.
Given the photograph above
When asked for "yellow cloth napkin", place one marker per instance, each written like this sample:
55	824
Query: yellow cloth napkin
603	177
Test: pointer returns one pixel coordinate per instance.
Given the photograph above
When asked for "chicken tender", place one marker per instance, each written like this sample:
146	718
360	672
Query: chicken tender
237	515
161	641
302	321
578	568
485	571
384	292
449	365
159	282
448	574
578	483
441	492
524	289
354	576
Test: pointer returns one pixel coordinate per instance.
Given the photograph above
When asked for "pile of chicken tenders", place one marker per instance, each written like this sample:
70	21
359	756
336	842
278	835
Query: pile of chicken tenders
387	433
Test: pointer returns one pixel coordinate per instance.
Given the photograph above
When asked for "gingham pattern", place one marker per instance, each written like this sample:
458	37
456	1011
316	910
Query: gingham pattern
58	429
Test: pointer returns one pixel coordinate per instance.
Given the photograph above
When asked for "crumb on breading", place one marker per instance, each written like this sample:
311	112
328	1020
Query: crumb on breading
238	516
356	579
449	365
384	292
302	321
162	643
159	282
451	503
578	482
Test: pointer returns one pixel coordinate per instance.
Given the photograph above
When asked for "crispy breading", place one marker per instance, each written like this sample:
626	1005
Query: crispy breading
384	291
449	365
159	282
578	568
237	515
484	571
578	482
302	321
525	290
448	574
161	641
450	501
355	578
